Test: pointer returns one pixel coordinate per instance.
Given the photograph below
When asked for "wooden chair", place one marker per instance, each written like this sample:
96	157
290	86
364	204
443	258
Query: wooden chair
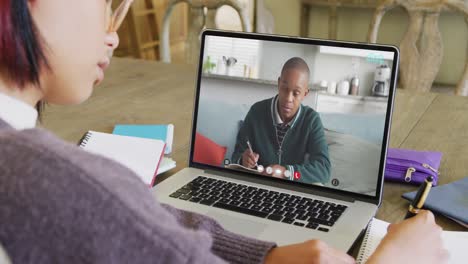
263	19
198	20
421	47
142	15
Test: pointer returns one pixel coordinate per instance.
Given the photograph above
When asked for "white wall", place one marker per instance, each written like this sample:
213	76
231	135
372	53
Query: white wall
337	68
275	54
327	67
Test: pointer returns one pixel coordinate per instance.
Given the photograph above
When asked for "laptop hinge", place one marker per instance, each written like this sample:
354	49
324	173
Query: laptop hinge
273	183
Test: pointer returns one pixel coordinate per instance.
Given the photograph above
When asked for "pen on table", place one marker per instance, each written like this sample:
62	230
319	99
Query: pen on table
251	150
420	197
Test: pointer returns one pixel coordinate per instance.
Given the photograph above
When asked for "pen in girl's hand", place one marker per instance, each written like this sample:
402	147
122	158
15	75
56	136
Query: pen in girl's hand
420	198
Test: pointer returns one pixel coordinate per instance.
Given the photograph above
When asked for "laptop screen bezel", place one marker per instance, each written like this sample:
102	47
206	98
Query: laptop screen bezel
376	199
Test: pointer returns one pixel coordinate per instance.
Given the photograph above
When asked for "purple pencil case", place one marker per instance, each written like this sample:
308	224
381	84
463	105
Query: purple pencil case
411	166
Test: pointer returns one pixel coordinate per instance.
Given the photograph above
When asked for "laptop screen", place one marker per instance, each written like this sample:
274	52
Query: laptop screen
304	111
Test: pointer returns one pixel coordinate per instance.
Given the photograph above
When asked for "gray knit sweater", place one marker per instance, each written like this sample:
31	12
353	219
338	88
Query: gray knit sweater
60	204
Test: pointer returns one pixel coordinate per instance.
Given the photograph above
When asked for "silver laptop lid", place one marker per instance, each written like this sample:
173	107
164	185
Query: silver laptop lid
307	112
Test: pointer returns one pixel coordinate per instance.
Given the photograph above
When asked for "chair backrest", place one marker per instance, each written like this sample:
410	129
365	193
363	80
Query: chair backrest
198	20
4	259
140	31
421	47
264	20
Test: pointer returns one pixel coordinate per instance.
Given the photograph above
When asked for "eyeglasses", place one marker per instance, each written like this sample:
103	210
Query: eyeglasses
115	18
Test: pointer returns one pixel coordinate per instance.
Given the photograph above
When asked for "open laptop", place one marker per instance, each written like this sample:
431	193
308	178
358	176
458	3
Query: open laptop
324	181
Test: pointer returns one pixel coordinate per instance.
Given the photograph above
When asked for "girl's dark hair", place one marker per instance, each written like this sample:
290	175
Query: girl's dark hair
22	56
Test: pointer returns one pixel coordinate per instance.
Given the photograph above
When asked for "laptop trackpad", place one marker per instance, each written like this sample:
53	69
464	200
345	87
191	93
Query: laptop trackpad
238	225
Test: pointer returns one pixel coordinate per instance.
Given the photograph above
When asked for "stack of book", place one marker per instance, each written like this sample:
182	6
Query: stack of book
157	132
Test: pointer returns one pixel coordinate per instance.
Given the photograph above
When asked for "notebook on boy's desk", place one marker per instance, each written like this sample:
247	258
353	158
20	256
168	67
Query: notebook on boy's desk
141	155
455	242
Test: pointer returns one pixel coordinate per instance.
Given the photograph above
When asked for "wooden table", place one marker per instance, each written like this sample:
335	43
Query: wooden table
145	92
134	92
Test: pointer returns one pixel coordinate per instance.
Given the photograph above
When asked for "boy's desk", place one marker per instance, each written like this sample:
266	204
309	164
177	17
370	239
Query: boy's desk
147	92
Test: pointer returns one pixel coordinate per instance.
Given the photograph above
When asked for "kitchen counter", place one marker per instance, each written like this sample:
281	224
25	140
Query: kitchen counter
366	98
252	80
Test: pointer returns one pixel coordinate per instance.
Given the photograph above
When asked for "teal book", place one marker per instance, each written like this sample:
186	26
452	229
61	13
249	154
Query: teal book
450	200
161	132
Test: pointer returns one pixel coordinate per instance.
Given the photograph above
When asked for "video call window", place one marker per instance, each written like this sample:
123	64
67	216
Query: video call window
313	114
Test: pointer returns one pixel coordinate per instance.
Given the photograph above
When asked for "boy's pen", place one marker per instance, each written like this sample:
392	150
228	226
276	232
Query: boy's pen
251	150
420	197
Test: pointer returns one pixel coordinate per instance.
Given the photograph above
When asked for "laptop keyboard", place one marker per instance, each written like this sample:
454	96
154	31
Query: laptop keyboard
276	206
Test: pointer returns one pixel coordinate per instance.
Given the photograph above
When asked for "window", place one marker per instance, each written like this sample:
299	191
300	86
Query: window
246	52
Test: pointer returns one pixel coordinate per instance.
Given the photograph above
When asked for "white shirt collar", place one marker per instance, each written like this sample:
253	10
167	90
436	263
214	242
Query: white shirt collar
16	113
278	119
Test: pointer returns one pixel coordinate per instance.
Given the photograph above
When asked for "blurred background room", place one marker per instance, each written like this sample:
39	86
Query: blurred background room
432	36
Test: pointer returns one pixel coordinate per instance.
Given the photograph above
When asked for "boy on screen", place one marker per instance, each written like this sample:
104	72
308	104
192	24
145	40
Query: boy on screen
285	136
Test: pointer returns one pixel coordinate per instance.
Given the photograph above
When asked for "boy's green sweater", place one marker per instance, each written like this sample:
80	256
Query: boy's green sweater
304	147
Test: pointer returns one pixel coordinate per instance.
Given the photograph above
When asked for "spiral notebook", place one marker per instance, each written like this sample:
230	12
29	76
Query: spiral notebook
455	242
140	155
